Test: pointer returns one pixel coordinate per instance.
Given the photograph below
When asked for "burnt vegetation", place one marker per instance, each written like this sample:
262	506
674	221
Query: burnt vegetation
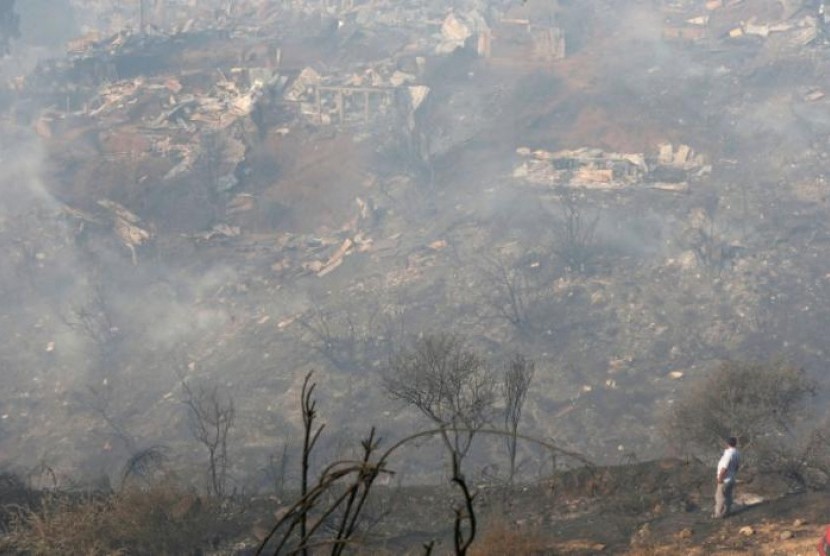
491	227
334	511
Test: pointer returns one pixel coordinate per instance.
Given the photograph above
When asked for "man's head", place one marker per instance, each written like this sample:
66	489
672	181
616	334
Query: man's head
732	441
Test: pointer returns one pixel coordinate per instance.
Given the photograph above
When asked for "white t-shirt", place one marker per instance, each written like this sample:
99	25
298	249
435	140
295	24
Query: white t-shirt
730	460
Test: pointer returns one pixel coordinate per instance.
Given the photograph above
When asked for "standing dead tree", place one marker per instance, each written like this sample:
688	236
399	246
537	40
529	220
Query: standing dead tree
511	294
338	499
328	516
348	481
349	340
515	384
577	245
308	409
96	320
449	384
212	416
453	387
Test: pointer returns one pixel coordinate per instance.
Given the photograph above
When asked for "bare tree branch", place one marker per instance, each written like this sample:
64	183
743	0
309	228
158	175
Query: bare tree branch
447	383
212	416
516	382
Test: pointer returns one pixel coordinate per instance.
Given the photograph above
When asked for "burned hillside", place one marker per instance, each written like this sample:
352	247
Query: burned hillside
234	193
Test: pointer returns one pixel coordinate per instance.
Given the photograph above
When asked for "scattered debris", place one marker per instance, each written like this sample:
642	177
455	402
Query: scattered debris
126	226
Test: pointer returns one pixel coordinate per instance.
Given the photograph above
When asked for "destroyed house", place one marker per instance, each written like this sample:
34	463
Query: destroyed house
356	99
123	56
597	169
669	169
615	166
585	167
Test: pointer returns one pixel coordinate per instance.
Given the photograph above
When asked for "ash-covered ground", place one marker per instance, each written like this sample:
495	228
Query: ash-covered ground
626	192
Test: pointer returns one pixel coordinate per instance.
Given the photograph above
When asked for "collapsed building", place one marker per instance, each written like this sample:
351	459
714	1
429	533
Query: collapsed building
670	168
143	91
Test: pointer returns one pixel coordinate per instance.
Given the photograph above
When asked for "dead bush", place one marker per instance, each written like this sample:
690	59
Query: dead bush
512	292
162	519
763	404
578	245
757	402
352	340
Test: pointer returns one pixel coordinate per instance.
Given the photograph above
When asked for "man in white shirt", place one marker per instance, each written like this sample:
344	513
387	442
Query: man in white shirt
728	467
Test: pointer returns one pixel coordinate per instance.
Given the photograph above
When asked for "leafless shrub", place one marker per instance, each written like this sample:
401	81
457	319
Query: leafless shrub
515	384
42	477
212	415
511	293
352	342
96	320
577	235
448	383
100	401
711	250
757	402
804	461
816	457
144	465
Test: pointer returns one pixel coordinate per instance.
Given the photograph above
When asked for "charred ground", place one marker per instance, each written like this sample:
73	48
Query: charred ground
235	197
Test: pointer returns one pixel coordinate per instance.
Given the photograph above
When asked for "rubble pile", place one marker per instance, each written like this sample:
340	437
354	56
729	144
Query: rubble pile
668	169
357	98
